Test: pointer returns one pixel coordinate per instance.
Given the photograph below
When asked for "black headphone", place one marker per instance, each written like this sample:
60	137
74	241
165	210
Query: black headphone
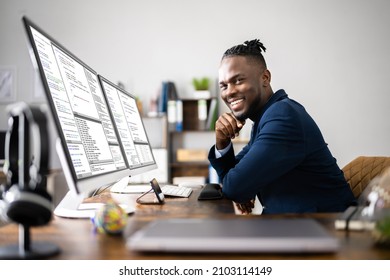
25	198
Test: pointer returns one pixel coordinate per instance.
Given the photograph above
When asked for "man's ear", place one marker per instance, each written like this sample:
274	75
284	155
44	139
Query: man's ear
266	78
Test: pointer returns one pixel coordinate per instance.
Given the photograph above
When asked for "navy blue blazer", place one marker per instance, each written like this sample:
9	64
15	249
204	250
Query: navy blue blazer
287	164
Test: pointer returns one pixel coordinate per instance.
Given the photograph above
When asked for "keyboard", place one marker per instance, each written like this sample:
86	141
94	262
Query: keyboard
178	191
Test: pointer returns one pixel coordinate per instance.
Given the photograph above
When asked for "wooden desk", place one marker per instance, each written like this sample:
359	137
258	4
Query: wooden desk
77	239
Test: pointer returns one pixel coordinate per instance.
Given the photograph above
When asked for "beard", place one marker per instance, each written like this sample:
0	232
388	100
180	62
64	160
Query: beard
241	116
248	112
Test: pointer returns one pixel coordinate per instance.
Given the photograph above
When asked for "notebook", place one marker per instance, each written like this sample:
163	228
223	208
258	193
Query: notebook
233	235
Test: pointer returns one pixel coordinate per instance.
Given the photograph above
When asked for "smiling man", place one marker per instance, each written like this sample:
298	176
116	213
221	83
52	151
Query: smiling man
286	163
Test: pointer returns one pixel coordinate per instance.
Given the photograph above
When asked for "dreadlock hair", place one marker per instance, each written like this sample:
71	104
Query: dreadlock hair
251	49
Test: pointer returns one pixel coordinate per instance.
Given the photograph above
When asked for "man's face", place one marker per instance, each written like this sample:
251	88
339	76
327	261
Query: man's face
242	84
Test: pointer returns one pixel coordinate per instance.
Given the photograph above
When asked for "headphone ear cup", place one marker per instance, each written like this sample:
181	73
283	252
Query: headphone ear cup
28	208
3	208
11	166
26	200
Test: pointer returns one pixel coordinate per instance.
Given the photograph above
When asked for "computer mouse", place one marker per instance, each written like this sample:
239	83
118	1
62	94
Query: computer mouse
211	191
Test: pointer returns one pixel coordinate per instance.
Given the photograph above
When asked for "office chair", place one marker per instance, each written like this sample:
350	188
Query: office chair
360	172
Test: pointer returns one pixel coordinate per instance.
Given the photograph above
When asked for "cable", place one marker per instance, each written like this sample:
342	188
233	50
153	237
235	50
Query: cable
142	195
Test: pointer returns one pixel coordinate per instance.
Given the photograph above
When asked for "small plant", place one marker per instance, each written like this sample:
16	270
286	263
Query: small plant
201	84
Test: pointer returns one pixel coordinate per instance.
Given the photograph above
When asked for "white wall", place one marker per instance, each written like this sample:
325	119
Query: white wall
330	55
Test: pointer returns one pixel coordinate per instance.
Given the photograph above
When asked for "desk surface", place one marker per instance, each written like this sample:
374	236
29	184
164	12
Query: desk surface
77	239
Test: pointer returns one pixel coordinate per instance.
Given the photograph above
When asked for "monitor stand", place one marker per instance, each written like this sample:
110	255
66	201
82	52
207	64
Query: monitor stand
26	249
72	206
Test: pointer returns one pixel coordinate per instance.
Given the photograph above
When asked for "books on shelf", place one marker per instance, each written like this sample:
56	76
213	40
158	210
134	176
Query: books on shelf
202	109
212	115
168	92
171	111
179	115
202	114
171	114
192	114
170	104
175	115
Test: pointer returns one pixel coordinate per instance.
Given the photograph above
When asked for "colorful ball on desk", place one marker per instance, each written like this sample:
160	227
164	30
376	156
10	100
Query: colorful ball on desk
110	218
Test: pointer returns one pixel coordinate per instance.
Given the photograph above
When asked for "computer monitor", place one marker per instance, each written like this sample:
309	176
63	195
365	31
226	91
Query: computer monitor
88	147
130	128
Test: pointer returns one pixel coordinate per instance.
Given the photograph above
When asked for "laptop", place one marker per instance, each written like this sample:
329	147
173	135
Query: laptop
233	235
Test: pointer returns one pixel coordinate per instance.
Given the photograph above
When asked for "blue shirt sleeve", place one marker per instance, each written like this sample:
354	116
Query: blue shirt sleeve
220	153
276	147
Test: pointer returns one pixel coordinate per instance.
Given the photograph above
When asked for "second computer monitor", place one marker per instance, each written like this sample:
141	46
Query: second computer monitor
130	128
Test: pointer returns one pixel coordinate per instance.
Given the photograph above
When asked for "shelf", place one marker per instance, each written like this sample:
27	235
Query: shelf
191	114
180	170
194	136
